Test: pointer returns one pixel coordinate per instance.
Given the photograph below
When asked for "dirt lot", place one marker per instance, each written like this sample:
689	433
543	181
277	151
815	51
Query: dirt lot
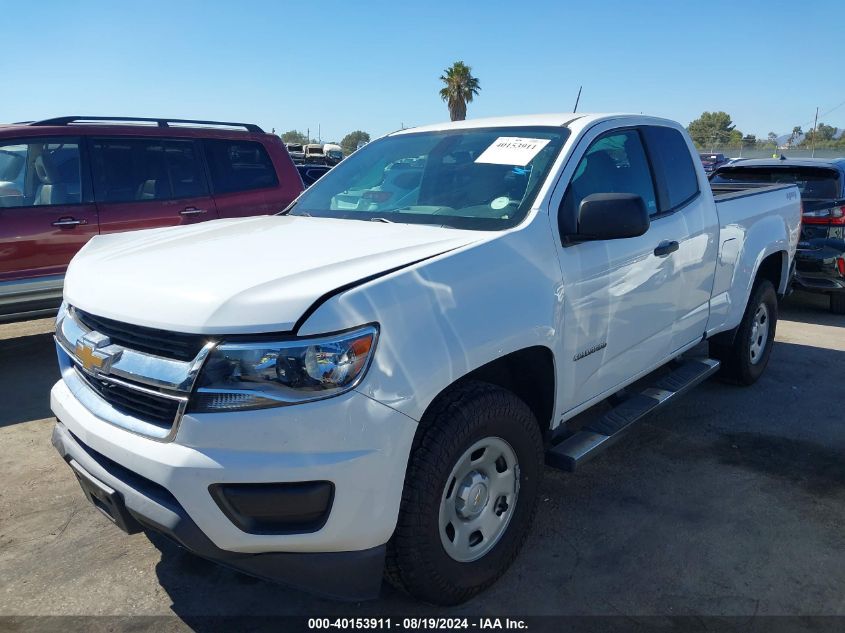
731	502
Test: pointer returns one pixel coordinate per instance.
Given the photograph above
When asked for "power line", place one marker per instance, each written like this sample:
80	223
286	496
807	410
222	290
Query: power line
824	114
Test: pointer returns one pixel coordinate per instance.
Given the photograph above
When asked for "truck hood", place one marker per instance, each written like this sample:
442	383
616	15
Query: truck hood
246	275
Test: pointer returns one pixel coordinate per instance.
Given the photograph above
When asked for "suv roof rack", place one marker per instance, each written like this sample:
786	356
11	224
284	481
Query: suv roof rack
67	120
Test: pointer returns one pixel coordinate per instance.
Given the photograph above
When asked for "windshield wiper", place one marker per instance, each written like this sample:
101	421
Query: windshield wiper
385	220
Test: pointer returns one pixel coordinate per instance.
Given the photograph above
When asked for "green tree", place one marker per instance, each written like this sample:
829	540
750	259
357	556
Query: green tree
459	90
796	134
773	138
714	128
821	134
294	136
350	142
749	140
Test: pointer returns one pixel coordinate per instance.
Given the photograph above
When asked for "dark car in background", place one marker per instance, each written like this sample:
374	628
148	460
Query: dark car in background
713	161
65	180
820	260
311	173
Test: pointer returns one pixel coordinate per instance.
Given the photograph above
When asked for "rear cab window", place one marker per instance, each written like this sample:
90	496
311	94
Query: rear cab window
239	166
137	169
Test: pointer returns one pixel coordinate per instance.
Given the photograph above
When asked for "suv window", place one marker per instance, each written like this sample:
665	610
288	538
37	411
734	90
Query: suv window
814	183
614	163
136	170
40	172
239	166
677	181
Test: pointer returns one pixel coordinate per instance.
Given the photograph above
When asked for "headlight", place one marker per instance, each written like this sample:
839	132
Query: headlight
60	315
240	376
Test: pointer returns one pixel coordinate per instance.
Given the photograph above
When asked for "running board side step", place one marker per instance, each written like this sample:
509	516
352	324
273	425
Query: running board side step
596	436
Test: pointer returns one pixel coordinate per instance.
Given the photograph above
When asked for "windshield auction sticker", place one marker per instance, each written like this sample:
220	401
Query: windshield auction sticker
512	150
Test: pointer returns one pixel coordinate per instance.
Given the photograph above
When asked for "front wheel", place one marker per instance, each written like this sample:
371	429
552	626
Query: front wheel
470	495
745	358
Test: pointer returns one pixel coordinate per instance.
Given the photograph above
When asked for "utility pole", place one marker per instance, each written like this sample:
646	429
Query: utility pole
319	134
815	123
577	99
308	135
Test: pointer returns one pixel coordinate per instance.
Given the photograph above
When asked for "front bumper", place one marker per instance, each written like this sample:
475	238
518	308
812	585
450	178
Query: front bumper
817	270
361	446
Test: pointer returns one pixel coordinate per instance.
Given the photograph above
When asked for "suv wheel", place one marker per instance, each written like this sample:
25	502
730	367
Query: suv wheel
470	495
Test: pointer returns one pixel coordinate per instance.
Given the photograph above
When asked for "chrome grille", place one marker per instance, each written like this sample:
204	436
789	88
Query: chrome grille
134	377
148	407
177	345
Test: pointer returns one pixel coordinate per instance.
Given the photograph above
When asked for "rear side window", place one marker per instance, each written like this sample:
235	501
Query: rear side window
137	170
677	182
40	172
239	166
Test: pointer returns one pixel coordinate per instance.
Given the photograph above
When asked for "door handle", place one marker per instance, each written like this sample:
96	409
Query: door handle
69	222
666	248
192	211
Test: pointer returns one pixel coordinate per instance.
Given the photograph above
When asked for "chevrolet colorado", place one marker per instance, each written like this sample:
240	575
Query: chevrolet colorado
372	380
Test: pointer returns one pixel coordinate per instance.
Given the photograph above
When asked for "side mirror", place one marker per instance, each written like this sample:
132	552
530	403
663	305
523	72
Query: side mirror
612	216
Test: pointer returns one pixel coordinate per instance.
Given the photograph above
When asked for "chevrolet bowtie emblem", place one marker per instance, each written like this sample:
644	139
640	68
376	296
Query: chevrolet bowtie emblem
95	352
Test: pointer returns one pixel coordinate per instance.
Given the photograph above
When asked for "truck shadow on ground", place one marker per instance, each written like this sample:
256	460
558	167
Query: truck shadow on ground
28	369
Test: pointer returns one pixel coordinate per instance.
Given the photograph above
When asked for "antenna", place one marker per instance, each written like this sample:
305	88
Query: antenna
577	99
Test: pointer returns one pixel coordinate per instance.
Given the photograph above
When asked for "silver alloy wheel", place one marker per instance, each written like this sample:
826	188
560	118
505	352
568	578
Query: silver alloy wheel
479	499
759	333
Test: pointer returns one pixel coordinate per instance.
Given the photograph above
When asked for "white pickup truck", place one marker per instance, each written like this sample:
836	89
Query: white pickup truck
372	380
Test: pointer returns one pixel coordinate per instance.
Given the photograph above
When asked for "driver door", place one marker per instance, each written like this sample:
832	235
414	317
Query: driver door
619	298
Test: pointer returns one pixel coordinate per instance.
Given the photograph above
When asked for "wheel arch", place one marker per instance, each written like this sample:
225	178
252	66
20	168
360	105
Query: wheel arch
529	373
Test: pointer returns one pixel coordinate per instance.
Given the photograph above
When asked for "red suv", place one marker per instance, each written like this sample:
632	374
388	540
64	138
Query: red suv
65	180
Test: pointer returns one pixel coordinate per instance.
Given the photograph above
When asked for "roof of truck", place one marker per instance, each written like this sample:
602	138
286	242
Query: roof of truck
541	120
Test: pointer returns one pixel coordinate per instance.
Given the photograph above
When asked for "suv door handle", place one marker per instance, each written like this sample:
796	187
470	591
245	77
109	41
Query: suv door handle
69	222
666	248
192	211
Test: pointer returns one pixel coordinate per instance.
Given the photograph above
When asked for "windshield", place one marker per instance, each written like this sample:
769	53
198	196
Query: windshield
474	178
814	183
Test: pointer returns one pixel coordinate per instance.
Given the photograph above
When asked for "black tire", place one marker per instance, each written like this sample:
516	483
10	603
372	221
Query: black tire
738	366
837	302
417	561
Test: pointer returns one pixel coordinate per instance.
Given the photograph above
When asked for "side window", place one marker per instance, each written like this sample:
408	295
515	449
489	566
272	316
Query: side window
677	181
614	163
40	172
239	166
134	170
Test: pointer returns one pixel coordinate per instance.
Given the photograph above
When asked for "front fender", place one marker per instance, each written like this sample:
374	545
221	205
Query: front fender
444	317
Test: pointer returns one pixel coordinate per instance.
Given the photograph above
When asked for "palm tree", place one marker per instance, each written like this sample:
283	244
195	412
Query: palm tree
460	88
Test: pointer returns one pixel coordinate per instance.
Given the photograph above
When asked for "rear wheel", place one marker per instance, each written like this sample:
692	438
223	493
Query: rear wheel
745	358
470	495
837	303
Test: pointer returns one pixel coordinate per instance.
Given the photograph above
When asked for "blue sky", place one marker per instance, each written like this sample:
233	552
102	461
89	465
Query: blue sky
375	65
